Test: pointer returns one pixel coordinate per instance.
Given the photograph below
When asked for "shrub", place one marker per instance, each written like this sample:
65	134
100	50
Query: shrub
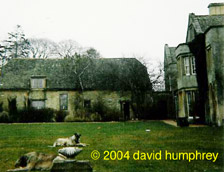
73	118
35	115
82	113
104	112
60	115
69	118
99	111
111	115
78	101
95	117
99	107
4	117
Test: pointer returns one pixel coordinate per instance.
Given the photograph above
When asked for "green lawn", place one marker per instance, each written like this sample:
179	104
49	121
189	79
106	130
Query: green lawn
18	139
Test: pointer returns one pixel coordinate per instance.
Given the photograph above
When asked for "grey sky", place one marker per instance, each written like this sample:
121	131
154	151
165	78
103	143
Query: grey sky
115	28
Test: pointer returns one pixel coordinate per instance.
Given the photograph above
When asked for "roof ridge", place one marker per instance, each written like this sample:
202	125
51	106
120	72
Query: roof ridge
209	15
29	58
196	24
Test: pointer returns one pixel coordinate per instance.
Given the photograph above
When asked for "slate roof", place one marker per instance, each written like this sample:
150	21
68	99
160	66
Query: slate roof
101	74
203	22
169	54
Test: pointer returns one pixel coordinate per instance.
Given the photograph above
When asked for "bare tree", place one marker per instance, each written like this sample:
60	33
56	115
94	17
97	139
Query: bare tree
156	72
42	48
68	49
80	64
156	75
81	58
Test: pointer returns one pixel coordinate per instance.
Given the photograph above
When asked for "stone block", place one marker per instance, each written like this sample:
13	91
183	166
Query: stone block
72	166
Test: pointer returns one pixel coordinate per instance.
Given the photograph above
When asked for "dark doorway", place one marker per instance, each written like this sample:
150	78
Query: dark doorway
12	108
12	105
126	110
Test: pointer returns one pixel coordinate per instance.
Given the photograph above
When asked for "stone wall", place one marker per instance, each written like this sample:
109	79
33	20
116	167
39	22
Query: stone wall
110	98
20	96
214	42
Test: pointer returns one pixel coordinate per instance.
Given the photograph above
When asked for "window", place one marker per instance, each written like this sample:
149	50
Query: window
189	99
37	83
38	104
189	66
63	101
87	103
186	66
193	66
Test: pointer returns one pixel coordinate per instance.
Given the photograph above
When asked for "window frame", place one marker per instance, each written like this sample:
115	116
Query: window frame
193	66
37	83
62	106
187	66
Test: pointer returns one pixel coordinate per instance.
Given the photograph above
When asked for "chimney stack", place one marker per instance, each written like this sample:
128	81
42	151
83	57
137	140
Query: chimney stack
216	9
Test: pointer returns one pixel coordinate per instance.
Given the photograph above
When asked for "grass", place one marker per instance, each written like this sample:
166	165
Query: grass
18	139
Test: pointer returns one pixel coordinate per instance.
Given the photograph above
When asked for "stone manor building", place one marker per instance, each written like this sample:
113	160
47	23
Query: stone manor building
194	70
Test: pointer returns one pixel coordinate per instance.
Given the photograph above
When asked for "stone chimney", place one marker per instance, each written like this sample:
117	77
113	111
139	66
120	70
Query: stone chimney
216	9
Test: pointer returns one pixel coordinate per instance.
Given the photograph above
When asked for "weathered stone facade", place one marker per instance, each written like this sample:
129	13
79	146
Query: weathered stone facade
50	83
186	81
214	43
201	82
51	99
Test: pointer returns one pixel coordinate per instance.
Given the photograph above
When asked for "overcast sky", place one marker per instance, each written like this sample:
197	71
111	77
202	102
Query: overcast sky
116	28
